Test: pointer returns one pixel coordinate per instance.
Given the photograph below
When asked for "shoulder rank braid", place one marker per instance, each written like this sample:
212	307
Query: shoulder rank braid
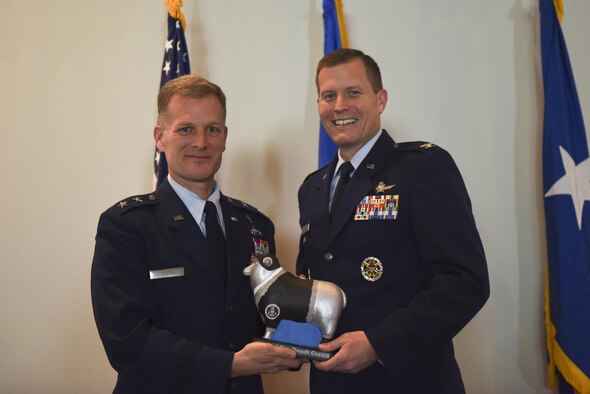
419	146
135	201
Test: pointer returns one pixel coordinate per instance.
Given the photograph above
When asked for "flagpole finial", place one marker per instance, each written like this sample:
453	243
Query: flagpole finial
175	11
559	9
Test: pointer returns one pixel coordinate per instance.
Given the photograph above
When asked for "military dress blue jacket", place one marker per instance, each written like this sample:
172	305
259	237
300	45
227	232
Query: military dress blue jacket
405	249
169	333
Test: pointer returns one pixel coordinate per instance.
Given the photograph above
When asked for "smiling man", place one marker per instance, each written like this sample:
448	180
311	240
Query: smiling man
192	133
391	224
349	106
173	310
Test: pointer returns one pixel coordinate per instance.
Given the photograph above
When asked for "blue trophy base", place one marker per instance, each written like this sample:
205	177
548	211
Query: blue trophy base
301	337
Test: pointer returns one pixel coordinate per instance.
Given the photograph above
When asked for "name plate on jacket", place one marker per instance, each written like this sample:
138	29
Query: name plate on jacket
167	273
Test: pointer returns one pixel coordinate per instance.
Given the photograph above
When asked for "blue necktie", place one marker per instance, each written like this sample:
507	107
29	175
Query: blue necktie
216	240
345	169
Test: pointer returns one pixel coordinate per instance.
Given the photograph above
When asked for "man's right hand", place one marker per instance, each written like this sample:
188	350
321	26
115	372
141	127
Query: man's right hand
259	357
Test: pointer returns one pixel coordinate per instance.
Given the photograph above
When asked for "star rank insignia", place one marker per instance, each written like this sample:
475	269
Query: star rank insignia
427	145
122	204
382	187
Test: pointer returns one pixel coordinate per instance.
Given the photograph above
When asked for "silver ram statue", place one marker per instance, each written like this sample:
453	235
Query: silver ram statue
280	295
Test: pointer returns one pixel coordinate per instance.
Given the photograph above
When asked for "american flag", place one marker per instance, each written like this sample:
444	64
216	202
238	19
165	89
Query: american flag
176	63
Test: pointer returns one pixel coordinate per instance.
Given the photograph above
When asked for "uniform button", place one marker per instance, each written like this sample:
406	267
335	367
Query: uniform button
304	240
234	384
328	257
229	308
232	346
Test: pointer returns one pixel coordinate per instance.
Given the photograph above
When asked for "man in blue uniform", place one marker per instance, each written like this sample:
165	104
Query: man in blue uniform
173	310
391	224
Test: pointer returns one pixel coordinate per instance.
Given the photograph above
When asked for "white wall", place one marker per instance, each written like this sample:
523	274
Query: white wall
78	81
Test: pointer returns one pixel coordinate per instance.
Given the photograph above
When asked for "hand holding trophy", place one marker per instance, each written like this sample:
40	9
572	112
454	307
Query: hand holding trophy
298	313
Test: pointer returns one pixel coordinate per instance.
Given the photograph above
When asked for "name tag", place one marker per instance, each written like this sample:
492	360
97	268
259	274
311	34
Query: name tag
167	273
305	229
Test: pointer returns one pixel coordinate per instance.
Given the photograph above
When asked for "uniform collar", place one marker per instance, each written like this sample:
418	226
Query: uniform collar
195	204
360	155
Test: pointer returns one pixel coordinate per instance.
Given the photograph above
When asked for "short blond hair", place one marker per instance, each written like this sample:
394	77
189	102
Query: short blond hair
189	86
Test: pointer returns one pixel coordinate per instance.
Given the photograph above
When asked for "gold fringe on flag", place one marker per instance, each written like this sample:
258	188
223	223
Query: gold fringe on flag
175	11
559	9
549	335
341	24
558	359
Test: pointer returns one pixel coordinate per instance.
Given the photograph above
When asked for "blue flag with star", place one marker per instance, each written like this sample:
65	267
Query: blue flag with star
566	187
335	37
176	63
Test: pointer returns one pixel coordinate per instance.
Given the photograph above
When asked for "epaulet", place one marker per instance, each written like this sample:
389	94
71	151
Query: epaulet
315	172
134	202
242	205
413	146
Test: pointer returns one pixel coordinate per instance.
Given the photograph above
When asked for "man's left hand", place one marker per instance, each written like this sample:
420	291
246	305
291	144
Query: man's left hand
355	354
